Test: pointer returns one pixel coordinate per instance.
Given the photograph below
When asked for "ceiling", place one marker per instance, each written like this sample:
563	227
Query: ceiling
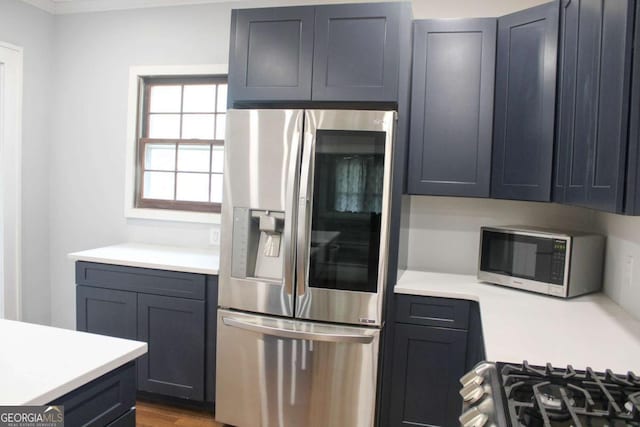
60	7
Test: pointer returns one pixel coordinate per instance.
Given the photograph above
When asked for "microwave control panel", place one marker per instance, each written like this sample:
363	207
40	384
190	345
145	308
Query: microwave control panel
558	261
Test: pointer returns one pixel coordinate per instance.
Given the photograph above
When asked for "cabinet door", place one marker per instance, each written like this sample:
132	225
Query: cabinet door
427	364
452	107
356	52
174	330
271	54
594	90
525	104
632	196
106	312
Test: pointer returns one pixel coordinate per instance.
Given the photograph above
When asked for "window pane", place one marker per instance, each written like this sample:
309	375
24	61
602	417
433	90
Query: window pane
197	126
158	185
165	99
222	98
193	158
220	125
217	159
193	187
160	157
164	126
199	99
216	188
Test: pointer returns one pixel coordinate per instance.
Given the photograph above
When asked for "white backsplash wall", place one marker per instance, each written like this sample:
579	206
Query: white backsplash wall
443	233
622	262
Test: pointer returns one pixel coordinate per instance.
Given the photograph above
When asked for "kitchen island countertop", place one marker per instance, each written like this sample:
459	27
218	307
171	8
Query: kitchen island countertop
39	364
586	331
170	258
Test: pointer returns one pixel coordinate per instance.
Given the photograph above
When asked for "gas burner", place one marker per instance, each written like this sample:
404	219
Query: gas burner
549	397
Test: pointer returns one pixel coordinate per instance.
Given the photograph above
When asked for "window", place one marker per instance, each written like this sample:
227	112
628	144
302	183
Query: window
180	147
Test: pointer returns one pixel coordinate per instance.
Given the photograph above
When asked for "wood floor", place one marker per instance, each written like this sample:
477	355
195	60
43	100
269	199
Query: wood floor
158	415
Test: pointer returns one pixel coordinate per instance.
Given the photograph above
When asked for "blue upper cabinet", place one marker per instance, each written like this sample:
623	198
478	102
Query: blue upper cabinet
632	200
271	54
596	43
356	52
525	102
334	53
452	107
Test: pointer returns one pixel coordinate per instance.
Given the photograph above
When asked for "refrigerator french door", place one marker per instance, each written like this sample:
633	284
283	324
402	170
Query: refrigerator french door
303	266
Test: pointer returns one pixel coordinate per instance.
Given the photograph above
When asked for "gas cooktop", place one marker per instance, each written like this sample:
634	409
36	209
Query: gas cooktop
519	395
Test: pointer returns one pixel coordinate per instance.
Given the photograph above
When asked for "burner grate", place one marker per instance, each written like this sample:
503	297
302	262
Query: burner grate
548	396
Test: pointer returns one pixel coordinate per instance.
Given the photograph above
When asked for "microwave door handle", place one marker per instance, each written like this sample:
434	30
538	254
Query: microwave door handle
304	202
291	193
362	338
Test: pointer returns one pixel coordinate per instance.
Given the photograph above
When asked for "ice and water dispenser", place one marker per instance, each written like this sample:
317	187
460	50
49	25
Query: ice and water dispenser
257	244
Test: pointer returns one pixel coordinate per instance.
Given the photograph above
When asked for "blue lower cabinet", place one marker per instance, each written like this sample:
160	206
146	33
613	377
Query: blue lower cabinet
174	313
174	329
432	342
427	364
108	400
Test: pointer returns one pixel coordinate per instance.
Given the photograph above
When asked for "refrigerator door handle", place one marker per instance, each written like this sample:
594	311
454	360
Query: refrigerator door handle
366	337
290	230
304	204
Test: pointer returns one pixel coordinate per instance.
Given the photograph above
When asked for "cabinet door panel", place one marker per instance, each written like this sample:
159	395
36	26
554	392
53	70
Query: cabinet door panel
594	92
525	104
174	331
452	107
271	54
106	312
427	364
356	53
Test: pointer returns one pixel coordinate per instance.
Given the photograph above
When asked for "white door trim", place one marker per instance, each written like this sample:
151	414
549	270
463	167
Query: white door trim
11	69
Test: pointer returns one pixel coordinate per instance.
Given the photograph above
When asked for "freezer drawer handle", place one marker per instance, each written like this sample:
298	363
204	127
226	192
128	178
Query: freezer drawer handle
300	335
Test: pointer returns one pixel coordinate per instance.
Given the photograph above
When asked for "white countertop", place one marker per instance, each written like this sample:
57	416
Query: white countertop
202	261
590	330
39	363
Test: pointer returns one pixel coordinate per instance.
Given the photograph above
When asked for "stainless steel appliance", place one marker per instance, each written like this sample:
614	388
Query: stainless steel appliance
303	266
521	395
552	262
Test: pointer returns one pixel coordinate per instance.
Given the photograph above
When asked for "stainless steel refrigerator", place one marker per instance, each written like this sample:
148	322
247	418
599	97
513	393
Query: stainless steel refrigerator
305	224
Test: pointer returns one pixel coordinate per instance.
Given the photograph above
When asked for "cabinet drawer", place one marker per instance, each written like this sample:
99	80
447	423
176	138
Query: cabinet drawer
144	280
102	401
432	311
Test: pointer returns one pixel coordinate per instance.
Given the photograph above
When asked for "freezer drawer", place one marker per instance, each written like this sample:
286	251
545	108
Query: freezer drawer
288	373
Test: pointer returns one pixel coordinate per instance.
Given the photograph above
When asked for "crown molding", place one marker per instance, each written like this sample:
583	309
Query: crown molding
65	7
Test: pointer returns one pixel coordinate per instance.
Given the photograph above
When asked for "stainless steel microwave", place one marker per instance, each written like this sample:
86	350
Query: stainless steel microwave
552	262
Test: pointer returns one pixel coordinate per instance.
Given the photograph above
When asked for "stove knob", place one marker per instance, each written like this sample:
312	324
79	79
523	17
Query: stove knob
473	418
471	378
472	393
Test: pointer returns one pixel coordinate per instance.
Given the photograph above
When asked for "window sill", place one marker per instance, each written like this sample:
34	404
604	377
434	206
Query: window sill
173	215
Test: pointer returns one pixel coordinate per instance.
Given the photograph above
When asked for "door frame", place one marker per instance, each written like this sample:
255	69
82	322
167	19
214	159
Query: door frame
11	81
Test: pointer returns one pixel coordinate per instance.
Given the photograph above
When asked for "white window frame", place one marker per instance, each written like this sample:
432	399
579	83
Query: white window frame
136	73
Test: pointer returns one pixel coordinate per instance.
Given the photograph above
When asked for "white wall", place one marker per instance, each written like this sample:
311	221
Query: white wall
622	265
31	28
